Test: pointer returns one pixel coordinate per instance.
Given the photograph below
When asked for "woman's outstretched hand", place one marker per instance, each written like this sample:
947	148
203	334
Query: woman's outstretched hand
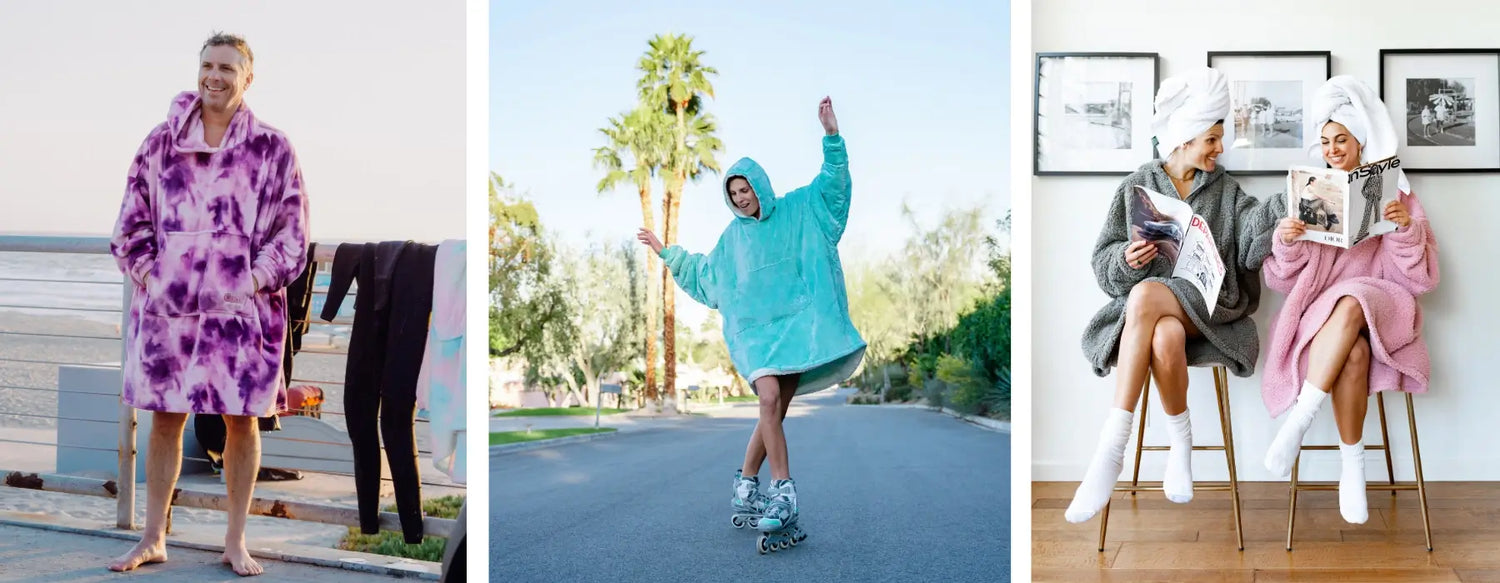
825	115
1139	254
1289	229
648	238
1395	212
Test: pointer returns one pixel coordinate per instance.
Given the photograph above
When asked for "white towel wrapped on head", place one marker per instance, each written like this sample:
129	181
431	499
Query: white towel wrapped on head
1358	108
1188	105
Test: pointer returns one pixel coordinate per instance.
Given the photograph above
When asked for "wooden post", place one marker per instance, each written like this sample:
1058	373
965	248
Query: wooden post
125	480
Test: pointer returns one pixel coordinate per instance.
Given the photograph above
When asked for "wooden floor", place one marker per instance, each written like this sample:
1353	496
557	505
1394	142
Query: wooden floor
1151	539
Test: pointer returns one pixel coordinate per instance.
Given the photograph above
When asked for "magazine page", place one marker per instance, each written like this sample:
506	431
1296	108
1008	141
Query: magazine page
1159	218
1319	197
1201	265
1371	187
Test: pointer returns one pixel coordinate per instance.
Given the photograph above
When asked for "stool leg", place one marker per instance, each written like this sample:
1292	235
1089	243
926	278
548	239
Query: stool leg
1416	456
1291	515
1221	388
1103	525
1385	440
1140	437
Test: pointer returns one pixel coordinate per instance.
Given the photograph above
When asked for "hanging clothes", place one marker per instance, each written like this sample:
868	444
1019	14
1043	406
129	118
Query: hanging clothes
385	350
299	301
440	388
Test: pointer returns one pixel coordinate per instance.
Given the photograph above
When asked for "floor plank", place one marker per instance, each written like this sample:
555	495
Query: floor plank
1153	539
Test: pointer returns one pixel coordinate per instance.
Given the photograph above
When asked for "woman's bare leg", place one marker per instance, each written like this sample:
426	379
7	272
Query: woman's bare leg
755	451
1329	349
1169	367
1351	399
1149	304
1327	356
1351	393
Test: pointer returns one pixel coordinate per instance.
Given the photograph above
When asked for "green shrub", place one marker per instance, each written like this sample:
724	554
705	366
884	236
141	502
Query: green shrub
935	392
391	544
996	401
967	381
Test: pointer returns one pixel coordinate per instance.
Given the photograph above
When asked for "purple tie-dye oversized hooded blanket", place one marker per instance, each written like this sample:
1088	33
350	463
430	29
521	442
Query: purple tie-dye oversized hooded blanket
209	237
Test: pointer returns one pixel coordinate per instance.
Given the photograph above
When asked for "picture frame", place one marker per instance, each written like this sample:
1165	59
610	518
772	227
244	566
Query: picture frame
1445	104
1270	93
1092	112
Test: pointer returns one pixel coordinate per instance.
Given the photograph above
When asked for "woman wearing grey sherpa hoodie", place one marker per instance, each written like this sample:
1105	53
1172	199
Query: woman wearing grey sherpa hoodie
1157	324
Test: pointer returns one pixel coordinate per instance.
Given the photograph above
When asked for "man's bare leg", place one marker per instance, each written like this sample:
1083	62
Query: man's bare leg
241	464
163	464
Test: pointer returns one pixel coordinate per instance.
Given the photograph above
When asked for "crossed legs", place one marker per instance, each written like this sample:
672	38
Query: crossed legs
769	440
1338	362
1153	342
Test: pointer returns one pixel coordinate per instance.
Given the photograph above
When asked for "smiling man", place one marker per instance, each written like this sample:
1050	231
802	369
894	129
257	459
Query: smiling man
212	228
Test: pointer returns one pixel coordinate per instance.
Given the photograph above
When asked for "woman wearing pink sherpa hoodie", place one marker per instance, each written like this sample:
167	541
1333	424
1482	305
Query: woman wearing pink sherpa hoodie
1351	325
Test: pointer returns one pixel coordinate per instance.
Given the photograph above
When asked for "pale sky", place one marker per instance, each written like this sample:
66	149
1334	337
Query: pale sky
371	95
921	94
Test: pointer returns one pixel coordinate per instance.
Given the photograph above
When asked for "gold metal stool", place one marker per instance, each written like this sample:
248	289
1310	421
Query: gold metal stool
1221	390
1385	445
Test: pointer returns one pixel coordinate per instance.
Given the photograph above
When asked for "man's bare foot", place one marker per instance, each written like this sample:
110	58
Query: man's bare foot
144	553
239	559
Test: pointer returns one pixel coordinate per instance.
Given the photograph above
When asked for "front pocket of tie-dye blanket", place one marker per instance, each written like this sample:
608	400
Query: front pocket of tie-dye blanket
203	272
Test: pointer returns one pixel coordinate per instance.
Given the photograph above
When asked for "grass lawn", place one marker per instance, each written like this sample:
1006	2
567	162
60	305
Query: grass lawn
391	544
503	437
555	411
742	399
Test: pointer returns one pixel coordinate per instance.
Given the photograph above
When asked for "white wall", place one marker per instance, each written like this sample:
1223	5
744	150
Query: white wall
1456	419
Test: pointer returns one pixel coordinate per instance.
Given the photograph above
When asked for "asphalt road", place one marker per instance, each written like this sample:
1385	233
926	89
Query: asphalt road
886	494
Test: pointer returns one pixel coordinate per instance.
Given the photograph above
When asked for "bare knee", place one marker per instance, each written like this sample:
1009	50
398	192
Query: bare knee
1348	314
1169	343
1146	302
1359	355
239	425
769	392
168	423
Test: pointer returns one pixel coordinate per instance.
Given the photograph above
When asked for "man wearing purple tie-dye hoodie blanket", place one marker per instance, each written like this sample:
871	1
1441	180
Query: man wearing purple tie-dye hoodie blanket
212	228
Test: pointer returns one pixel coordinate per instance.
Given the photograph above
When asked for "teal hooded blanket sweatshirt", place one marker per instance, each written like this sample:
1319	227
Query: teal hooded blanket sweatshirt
777	280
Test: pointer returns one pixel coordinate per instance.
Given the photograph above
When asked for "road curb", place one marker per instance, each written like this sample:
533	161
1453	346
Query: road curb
985	422
982	422
541	443
333	559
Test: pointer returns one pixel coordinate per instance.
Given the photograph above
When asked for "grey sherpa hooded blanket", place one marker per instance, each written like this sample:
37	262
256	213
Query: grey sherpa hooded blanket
1242	227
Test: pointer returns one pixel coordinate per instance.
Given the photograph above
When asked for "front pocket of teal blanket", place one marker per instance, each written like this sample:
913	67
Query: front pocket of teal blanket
770	293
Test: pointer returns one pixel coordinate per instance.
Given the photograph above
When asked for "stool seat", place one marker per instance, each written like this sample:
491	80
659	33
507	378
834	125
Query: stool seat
1221	392
1420	485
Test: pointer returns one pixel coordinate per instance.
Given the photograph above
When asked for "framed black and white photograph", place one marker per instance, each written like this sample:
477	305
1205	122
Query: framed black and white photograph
1446	107
1093	112
1269	93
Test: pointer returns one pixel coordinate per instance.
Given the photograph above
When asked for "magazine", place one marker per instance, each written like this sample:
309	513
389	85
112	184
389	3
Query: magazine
1342	208
1181	237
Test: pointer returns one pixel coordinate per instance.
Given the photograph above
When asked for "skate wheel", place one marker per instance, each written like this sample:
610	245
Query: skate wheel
761	545
737	521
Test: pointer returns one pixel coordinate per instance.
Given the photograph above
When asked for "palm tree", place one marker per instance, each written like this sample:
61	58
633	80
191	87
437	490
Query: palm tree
642	136
674	81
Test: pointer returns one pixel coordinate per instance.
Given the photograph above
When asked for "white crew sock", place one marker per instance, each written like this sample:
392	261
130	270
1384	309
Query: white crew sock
1178	482
1104	470
1352	501
1283	451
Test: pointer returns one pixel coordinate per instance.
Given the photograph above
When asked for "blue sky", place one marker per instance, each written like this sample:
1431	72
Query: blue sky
921	93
